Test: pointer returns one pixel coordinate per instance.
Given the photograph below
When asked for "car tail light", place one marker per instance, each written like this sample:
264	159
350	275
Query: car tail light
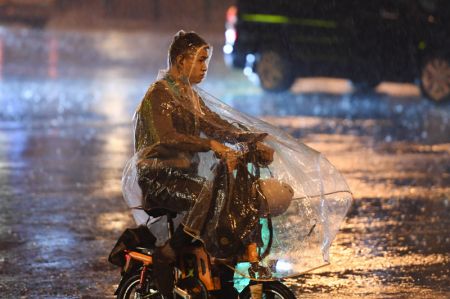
230	32
232	15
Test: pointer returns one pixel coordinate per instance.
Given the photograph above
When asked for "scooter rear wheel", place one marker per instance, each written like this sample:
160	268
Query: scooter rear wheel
130	289
271	290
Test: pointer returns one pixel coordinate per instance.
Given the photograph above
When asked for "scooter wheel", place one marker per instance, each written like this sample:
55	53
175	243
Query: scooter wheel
132	289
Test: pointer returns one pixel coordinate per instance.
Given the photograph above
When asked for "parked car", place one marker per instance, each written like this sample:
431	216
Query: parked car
365	41
32	12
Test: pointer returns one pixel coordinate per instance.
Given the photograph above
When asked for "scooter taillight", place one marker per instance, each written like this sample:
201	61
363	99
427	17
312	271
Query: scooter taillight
126	267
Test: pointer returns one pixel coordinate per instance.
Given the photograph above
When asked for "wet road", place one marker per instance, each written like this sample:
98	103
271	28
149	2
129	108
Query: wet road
66	100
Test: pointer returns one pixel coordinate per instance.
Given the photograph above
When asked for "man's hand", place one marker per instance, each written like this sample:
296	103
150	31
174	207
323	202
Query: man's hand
219	148
226	153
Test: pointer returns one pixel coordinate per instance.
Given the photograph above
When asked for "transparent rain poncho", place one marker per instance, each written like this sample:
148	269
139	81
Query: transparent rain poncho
174	168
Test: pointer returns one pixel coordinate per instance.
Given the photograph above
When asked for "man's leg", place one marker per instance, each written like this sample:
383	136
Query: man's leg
175	191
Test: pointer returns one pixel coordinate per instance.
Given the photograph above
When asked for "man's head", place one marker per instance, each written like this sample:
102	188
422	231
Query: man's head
189	54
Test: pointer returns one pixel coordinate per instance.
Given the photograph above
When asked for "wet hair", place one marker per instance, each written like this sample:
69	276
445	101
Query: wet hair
182	43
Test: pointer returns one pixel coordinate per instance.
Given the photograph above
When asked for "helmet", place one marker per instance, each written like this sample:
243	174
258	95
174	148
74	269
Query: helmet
275	196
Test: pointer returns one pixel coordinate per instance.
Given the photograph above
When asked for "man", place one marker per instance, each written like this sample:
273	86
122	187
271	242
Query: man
173	126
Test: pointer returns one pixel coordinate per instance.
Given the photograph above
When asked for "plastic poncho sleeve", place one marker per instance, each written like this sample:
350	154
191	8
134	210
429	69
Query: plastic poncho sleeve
154	124
215	127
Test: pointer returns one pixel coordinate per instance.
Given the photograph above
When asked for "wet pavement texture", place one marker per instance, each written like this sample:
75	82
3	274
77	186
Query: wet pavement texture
66	102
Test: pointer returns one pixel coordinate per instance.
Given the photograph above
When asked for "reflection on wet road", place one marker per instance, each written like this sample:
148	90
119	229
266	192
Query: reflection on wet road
65	133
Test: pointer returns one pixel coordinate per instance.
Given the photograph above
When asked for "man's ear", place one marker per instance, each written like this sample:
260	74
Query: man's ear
180	60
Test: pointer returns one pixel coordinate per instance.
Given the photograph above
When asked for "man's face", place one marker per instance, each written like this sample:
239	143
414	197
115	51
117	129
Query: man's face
196	65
